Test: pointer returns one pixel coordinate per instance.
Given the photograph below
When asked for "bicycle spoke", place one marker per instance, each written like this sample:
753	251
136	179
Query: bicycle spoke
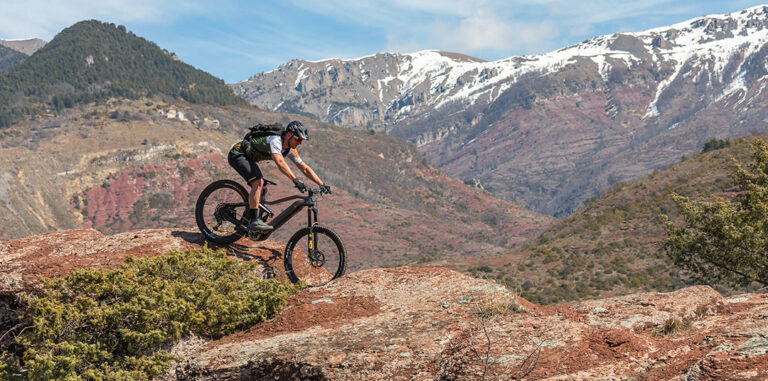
317	266
219	208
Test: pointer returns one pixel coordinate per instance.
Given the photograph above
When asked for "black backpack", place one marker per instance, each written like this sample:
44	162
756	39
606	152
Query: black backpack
264	130
260	130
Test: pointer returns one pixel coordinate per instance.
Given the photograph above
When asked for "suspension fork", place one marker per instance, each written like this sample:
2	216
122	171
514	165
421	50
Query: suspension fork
311	223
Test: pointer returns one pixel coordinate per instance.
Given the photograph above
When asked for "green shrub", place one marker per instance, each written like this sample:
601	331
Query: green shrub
161	200
715	144
725	240
112	324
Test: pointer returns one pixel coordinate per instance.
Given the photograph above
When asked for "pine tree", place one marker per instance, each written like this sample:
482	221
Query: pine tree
726	240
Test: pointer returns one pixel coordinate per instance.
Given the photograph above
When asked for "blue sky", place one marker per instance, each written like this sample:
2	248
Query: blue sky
234	39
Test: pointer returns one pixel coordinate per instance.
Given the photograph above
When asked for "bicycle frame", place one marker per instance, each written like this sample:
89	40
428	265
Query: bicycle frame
288	213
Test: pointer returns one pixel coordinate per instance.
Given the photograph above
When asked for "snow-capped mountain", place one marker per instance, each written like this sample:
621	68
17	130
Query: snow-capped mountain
550	130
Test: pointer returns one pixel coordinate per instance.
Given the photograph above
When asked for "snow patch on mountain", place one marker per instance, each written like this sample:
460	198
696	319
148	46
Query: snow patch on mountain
301	75
717	38
403	85
738	84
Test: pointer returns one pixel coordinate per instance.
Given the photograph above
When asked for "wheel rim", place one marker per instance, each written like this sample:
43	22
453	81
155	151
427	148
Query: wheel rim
217	211
322	266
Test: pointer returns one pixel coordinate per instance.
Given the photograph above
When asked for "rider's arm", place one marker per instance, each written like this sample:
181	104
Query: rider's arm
283	166
307	171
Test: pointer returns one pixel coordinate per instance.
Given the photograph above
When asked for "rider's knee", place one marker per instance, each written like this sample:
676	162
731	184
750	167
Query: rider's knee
255	184
256	190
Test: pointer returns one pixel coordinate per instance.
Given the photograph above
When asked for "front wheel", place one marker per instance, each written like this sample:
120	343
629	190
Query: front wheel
315	260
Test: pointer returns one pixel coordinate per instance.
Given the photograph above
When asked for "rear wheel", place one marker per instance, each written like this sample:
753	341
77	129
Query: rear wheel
219	211
316	261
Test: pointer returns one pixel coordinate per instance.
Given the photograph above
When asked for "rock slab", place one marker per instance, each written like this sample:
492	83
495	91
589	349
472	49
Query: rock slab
436	324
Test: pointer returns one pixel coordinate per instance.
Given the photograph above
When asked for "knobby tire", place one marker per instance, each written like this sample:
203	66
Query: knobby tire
296	259
201	213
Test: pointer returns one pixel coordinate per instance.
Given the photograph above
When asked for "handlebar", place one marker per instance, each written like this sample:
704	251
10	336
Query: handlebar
316	191
311	191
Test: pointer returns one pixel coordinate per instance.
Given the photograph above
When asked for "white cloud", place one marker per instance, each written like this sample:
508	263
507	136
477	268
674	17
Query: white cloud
492	27
45	18
486	31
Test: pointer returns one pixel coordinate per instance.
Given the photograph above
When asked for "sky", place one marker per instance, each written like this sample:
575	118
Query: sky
235	39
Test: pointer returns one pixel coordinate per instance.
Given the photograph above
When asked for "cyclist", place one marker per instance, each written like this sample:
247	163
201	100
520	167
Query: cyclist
245	155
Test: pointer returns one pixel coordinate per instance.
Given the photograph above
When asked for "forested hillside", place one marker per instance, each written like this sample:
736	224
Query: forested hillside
92	60
612	245
9	58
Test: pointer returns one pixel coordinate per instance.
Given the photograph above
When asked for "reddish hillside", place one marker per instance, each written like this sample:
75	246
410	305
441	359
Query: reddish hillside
125	165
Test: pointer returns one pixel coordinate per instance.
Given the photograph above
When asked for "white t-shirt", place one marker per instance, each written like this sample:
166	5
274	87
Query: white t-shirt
276	146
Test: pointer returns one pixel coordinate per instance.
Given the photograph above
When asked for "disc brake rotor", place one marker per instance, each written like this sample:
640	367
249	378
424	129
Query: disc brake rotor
317	260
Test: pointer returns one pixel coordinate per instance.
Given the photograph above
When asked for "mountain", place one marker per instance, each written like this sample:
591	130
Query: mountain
424	323
92	61
9	58
370	92
549	130
611	246
26	47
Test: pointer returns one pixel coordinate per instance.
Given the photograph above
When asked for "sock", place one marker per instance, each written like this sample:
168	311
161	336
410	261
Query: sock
252	213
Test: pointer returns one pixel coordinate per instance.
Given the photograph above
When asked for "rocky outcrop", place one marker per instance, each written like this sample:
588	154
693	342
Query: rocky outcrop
23	261
430	323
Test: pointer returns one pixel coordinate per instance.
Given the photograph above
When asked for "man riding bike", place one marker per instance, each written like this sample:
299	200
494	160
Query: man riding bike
245	155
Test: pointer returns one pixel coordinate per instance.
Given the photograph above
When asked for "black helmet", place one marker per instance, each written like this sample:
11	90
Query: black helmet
298	129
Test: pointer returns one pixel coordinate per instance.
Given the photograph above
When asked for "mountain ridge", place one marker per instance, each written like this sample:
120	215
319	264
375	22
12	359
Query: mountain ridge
25	46
669	38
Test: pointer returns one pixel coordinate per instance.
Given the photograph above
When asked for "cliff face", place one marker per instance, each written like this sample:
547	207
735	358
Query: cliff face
555	129
431	323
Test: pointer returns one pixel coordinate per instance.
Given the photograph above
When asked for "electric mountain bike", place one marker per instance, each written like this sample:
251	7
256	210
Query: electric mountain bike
314	254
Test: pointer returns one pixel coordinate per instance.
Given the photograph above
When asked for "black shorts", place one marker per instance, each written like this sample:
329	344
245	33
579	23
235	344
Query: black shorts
246	168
